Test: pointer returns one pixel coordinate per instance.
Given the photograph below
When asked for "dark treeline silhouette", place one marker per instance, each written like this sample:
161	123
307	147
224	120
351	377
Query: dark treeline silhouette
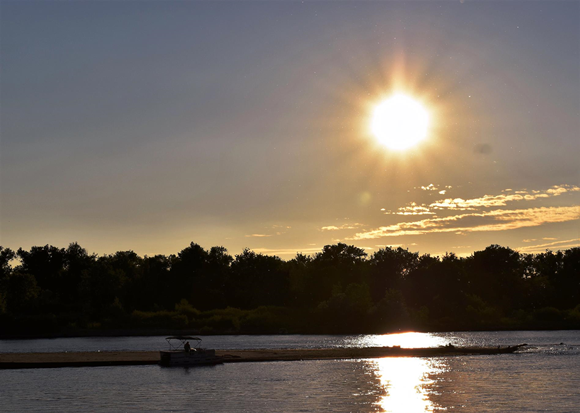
49	290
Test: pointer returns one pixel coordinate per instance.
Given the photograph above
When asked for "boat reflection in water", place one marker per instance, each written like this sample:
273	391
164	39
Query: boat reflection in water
407	383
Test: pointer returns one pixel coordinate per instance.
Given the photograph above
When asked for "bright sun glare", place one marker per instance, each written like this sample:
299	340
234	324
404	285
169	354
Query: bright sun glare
400	122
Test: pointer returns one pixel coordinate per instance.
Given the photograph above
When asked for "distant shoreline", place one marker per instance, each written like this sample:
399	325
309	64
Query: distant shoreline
58	292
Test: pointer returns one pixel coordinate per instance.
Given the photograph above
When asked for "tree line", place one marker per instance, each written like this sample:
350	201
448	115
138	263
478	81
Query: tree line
341	289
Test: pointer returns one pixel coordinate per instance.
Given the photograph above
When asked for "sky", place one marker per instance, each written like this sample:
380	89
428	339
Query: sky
148	125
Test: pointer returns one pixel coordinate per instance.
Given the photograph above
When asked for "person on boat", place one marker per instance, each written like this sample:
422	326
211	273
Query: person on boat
187	347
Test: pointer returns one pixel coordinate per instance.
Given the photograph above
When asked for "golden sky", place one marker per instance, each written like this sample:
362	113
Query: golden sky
148	125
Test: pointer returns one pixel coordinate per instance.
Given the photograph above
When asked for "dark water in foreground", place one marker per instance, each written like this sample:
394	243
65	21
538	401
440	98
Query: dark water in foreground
544	378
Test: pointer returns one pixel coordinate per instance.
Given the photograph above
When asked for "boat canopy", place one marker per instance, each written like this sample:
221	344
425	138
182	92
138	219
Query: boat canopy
183	338
181	342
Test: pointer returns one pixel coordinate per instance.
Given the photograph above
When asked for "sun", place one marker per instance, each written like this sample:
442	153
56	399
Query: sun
400	122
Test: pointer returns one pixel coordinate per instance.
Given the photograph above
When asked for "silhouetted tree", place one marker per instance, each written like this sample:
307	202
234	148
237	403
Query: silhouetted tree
216	275
389	267
568	283
337	290
153	289
422	285
21	293
449	290
390	312
336	267
187	273
128	267
45	264
6	255
101	286
76	263
496	275
256	280
301	292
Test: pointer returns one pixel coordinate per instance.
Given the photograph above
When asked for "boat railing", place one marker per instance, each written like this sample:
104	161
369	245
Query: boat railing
178	342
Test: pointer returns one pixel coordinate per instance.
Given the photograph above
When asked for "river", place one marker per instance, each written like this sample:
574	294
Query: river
544	377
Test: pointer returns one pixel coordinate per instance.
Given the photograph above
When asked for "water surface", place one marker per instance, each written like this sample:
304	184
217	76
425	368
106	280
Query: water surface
544	378
149	343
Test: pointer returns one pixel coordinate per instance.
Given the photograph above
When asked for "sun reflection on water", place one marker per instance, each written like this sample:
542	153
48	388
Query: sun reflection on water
407	383
405	340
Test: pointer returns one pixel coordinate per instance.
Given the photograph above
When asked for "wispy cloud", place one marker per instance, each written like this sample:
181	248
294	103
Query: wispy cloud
486	201
258	235
278	231
564	244
344	226
429	187
286	251
412	209
497	220
330	228
432	187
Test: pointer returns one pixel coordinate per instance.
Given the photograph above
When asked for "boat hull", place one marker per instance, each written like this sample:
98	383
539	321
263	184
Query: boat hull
192	358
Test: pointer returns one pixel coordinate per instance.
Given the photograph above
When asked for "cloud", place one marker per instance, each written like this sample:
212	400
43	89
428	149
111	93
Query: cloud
286	251
432	187
330	228
258	235
564	244
429	187
486	201
273	227
344	226
498	220
413	209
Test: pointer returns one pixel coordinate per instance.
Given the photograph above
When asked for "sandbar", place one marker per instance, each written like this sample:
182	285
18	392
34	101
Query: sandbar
120	358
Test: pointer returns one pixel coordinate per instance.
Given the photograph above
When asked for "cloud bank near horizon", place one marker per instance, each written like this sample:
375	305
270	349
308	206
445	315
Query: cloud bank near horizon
486	201
498	220
488	214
